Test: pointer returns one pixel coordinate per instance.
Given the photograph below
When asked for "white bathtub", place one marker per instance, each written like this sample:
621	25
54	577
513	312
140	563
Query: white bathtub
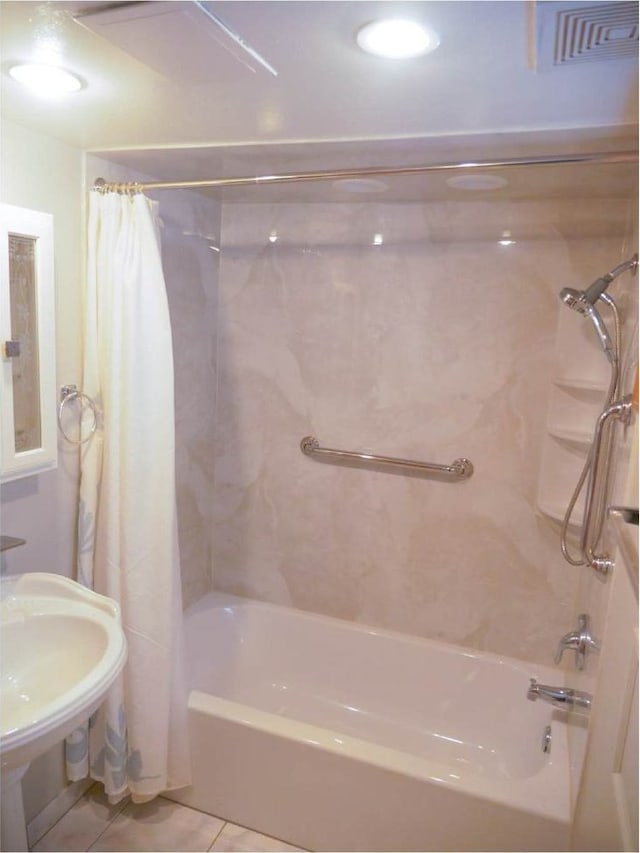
335	736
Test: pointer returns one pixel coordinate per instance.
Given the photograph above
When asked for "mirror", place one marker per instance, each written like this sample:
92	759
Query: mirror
27	343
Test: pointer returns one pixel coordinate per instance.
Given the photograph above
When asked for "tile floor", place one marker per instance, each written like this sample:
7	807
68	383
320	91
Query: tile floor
94	824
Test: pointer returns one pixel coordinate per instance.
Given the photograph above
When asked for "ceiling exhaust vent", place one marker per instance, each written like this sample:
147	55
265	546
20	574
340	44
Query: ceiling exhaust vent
570	33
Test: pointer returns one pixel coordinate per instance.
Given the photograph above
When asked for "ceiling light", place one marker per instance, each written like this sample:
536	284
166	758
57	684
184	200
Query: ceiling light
46	80
397	38
477	182
360	185
506	239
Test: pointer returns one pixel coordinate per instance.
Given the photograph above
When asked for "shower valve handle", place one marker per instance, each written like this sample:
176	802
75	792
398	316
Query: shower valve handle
580	641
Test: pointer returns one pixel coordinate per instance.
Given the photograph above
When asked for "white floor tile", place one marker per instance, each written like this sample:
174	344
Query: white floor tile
160	825
81	826
240	840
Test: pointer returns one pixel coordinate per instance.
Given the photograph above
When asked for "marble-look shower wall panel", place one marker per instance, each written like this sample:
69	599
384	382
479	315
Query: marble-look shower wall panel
191	227
416	347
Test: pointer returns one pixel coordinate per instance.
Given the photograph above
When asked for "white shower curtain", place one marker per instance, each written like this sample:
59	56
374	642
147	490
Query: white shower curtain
127	529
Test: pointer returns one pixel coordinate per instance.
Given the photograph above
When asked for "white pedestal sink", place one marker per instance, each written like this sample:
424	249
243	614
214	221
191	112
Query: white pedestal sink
62	646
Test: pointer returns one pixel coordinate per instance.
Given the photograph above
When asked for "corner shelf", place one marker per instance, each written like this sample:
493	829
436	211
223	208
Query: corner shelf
575	402
556	512
578	438
583	388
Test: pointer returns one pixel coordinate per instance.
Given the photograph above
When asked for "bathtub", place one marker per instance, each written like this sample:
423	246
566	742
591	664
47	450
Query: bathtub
335	736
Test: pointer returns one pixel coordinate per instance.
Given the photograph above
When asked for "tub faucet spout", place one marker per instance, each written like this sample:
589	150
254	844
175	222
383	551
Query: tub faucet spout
560	697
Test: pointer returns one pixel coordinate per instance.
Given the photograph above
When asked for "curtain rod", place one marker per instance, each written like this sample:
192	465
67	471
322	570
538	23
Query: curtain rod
331	175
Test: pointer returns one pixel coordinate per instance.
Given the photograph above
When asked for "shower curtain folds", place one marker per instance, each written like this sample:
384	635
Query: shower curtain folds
136	743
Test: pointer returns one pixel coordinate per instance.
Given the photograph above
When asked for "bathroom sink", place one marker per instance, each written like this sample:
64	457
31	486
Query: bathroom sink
61	648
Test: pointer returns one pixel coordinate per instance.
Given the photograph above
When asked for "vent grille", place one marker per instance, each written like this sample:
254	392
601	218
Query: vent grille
592	33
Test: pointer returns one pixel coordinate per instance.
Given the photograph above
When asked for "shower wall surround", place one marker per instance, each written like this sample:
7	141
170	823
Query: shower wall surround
191	228
435	343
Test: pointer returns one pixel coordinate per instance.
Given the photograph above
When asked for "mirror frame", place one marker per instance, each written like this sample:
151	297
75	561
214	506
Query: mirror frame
39	227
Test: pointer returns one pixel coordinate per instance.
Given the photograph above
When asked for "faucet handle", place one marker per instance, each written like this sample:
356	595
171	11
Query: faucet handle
562	645
580	641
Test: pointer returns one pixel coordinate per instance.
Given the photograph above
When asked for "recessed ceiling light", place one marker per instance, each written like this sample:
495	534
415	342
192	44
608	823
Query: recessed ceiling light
48	80
397	38
360	185
477	182
506	239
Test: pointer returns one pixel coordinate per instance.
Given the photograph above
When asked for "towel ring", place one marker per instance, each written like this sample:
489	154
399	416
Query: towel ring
68	393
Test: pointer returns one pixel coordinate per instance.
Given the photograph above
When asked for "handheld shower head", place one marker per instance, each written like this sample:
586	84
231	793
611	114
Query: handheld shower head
595	290
601	330
573	298
577	300
584	302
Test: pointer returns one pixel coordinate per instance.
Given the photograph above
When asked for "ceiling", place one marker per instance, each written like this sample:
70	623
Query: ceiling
162	75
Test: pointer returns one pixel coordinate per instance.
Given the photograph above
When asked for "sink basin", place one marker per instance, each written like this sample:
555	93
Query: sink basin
61	648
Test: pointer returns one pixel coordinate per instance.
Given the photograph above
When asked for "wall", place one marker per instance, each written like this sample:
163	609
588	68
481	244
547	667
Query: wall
436	344
191	228
433	345
42	173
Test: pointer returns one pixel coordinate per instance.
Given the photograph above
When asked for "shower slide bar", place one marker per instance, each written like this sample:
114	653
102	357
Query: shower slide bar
603	158
460	469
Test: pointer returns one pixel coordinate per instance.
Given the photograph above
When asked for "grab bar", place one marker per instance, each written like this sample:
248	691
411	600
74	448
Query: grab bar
621	410
460	469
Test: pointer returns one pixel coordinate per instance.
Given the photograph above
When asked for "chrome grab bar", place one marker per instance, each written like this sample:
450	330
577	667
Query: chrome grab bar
621	410
460	469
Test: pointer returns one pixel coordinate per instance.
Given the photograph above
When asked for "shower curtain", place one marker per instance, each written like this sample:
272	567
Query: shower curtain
136	743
